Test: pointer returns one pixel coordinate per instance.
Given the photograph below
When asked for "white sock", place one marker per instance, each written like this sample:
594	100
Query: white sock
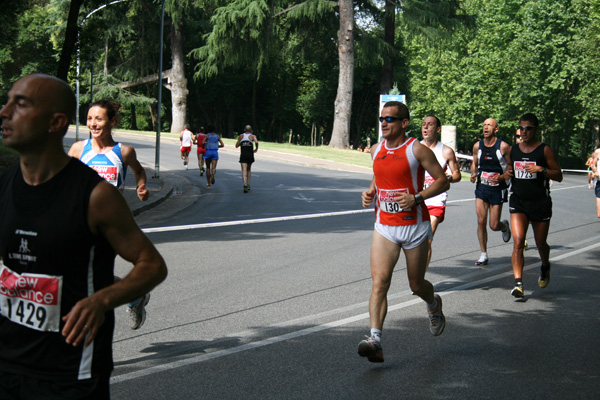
433	306
483	257
376	334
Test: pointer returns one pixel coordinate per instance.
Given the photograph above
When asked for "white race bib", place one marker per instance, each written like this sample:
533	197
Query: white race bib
387	200
31	300
521	172
485	178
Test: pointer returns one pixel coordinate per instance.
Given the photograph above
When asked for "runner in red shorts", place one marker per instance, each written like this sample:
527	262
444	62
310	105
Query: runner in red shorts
430	129
186	137
199	140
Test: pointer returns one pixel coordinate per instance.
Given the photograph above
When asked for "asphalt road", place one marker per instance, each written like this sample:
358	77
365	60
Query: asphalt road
267	297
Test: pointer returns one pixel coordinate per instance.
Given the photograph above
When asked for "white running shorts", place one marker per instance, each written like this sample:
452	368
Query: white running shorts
406	236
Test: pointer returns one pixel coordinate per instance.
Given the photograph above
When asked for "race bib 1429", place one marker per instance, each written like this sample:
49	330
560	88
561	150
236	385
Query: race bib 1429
31	300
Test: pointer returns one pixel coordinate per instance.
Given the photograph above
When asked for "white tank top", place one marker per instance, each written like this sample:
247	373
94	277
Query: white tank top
440	199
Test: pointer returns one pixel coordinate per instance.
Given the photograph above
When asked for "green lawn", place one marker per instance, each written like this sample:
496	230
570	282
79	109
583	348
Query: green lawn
353	157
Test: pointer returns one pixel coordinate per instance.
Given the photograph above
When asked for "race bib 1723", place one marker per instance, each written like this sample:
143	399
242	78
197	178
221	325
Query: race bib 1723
31	300
521	172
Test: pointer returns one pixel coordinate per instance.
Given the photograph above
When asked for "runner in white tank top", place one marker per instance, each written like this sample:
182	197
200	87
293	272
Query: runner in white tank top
430	129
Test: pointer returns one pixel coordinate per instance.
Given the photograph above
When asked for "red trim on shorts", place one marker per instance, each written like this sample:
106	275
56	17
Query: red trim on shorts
186	149
437	211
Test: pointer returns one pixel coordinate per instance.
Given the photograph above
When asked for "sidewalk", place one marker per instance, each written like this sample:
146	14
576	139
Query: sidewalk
162	188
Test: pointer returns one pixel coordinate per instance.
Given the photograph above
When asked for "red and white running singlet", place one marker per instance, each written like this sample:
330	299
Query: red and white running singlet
396	171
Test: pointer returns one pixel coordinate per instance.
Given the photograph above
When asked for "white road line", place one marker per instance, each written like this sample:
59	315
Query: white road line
326	326
253	221
286	218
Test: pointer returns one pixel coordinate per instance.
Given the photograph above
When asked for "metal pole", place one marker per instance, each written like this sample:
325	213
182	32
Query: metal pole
77	91
160	71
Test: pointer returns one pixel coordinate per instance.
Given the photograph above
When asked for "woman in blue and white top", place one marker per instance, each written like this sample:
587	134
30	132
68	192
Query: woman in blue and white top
108	157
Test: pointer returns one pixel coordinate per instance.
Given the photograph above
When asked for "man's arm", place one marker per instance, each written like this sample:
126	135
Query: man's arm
427	159
221	144
507	174
450	157
596	156
255	140
475	163
553	171
110	217
130	160
368	195
237	144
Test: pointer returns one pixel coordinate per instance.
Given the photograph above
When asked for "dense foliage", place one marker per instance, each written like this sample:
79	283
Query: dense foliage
274	63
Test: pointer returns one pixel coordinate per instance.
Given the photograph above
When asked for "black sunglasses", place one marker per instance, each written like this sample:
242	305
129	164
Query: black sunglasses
525	128
389	119
518	136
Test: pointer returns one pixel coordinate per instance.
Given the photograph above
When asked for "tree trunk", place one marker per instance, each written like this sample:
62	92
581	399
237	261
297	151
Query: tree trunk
133	118
340	135
178	84
105	59
387	72
70	40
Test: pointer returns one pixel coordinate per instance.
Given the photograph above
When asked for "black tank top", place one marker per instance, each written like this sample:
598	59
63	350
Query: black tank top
45	231
490	160
525	185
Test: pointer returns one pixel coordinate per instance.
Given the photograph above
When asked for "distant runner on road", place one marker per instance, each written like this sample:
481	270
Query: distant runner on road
199	140
249	145
186	138
212	142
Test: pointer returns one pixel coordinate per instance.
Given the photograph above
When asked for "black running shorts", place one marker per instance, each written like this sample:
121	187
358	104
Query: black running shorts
535	210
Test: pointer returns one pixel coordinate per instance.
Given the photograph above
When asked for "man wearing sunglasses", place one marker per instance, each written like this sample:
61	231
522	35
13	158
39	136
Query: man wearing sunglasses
490	160
532	165
402	221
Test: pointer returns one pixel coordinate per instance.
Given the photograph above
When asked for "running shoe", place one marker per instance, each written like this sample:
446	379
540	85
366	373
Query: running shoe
245	189
437	321
212	179
525	246
544	278
137	312
518	291
506	233
201	171
371	349
248	187
482	261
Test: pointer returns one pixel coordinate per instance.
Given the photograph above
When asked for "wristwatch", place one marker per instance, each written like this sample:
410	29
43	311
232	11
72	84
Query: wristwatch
544	170
418	199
